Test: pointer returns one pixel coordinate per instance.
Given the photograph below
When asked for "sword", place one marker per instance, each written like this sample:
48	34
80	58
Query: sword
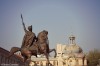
23	23
22	18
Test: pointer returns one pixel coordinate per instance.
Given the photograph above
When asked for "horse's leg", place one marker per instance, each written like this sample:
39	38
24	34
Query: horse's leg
29	56
13	50
25	58
34	52
46	54
50	50
26	53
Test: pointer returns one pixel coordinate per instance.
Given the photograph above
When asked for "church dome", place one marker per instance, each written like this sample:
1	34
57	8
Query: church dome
72	47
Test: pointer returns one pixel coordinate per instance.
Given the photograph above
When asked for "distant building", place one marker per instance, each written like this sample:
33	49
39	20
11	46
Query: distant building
12	61
73	53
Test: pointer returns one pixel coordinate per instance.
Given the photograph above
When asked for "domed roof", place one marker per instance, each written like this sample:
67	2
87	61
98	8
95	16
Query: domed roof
72	47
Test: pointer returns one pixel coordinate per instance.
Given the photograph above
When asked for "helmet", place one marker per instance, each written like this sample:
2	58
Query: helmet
30	28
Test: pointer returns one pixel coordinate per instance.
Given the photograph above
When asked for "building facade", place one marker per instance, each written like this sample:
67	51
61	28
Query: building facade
72	52
12	61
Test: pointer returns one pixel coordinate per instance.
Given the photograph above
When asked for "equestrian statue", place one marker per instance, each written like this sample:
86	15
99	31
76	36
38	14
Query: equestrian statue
32	45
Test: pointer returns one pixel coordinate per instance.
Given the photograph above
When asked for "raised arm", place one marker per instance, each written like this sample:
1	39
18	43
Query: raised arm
23	24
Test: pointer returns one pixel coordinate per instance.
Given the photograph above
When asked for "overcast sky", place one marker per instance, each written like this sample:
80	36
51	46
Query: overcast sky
61	18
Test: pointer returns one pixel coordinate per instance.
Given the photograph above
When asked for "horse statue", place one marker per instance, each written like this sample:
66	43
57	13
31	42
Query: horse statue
40	46
43	44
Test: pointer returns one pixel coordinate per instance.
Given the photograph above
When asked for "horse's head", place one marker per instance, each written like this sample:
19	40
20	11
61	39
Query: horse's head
46	32
43	36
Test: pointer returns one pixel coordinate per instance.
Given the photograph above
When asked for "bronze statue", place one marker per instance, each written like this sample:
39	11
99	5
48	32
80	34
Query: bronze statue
32	45
40	46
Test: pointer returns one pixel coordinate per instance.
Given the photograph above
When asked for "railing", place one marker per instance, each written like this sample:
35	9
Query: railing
58	61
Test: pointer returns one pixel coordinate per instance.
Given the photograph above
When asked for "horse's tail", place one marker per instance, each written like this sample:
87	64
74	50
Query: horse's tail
13	50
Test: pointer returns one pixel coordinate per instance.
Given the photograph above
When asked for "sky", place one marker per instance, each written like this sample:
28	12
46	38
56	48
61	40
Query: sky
61	18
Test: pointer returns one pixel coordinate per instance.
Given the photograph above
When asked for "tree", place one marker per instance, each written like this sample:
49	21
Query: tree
93	56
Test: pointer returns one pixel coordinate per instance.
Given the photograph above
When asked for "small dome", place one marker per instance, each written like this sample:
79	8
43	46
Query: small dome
72	47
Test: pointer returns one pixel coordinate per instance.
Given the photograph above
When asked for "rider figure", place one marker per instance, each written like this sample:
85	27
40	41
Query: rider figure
29	37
